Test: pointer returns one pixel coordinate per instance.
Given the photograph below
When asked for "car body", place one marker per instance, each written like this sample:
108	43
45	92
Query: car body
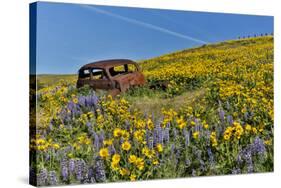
115	75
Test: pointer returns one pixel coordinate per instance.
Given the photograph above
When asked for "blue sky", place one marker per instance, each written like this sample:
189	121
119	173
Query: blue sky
70	35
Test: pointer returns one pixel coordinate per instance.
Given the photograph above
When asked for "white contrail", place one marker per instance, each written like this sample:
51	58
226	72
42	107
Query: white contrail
147	25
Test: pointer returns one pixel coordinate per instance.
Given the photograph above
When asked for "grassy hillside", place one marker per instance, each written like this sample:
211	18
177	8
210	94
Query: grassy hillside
215	118
215	60
45	80
231	68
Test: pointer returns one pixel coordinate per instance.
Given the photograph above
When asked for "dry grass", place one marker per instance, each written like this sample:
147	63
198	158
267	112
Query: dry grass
153	105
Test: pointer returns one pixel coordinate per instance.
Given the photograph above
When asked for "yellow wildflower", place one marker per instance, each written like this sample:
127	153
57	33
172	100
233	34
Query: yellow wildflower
75	100
124	172
181	122
155	162
248	127
195	135
116	158
139	163
115	166
132	158
133	177
227	133
150	124
104	152
268	142
139	135
213	139
254	129
56	146
192	123
126	146
108	142
117	132
159	148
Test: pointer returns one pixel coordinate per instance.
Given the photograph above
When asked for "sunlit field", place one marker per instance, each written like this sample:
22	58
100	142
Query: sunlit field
215	117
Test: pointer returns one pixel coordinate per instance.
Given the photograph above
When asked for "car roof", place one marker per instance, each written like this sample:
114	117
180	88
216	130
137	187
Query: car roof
107	63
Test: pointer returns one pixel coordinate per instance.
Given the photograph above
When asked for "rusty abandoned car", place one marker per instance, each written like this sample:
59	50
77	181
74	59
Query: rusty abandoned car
115	76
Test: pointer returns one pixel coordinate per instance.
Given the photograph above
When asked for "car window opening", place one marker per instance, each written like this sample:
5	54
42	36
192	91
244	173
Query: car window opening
95	74
122	69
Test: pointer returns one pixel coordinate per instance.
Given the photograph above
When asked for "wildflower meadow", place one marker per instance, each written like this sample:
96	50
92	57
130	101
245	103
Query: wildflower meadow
214	118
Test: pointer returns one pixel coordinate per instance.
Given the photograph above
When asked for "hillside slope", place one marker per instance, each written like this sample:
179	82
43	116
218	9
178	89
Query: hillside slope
238	58
234	72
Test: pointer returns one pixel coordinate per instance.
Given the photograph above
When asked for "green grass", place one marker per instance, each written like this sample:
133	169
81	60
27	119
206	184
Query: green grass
152	101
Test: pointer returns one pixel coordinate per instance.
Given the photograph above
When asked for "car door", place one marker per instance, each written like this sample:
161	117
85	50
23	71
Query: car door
99	79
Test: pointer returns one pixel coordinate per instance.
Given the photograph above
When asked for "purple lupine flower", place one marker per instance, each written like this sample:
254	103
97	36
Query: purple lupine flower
168	125
42	177
93	100
112	149
150	143
221	114
101	137
88	100
84	169
64	173
88	124
247	156
64	169
91	175
229	119
186	137
53	178
100	171
155	137
239	158
211	157
196	121
258	146
79	169
82	100
147	135
166	135
96	142
71	165
160	135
